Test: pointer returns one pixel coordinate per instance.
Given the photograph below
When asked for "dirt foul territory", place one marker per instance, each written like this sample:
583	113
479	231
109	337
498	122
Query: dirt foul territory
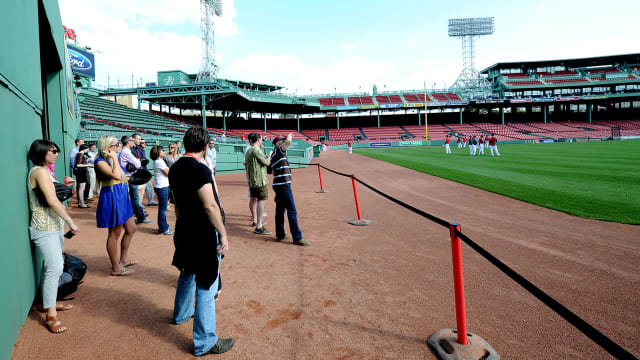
370	292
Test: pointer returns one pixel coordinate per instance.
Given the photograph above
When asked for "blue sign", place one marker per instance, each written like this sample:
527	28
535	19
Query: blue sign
82	62
390	106
346	107
379	144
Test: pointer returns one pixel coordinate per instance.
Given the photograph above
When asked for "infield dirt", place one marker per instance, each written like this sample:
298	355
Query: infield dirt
374	292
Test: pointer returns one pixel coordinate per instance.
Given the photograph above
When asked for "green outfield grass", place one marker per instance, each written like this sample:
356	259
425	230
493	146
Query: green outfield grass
598	180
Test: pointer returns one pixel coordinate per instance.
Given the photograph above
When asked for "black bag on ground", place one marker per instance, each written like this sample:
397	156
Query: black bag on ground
74	268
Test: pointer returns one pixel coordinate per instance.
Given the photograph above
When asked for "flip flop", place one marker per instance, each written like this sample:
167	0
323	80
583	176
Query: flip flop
59	307
130	263
123	272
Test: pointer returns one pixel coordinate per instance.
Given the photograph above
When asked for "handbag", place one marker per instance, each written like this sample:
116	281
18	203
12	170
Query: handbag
140	177
63	193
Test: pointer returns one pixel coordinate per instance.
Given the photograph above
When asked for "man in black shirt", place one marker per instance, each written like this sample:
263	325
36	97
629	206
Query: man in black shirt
200	240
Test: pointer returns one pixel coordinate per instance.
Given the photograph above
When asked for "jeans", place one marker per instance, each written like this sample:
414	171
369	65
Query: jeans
135	202
148	189
204	321
163	200
48	245
284	201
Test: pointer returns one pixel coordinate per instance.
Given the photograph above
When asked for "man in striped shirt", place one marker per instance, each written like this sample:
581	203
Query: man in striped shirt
284	196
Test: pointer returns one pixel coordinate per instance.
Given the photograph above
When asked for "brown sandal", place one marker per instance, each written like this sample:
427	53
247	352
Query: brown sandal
54	325
59	307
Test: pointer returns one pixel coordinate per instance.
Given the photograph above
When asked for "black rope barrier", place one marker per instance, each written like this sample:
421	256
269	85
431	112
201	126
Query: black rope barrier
592	333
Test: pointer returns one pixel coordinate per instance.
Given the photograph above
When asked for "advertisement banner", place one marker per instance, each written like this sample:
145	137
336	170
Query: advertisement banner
520	101
82	62
544	99
390	106
367	106
457	103
594	97
379	144
420	105
410	143
346	107
567	98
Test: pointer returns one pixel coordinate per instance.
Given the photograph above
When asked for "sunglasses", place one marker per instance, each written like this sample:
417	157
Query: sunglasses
55	151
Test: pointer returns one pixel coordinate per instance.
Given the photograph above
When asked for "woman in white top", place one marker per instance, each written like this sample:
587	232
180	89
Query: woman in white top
161	187
47	227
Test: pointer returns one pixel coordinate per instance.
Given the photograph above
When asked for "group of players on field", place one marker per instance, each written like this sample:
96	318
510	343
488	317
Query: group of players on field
476	145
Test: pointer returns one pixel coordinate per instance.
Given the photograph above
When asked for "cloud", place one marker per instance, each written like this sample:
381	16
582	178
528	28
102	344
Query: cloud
414	40
141	37
348	46
347	74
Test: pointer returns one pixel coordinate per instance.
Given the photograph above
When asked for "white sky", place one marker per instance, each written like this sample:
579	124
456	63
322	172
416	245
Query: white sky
342	46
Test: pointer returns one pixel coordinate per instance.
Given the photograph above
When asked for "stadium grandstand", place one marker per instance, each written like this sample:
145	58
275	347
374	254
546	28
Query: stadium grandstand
550	100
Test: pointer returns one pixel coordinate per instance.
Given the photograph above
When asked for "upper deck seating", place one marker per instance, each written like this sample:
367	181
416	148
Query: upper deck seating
382	99
440	97
395	99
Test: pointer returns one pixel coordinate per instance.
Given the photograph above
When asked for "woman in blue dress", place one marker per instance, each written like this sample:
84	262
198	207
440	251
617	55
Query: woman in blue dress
114	211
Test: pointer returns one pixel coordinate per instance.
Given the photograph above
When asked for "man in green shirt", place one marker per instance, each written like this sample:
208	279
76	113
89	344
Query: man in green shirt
256	163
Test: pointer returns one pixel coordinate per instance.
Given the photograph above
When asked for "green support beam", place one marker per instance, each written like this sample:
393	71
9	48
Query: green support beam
204	112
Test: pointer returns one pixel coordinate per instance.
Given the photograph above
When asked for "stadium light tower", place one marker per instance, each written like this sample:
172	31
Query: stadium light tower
467	30
208	68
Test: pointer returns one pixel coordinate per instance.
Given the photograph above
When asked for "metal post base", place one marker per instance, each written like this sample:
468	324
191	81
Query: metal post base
321	191
360	222
445	344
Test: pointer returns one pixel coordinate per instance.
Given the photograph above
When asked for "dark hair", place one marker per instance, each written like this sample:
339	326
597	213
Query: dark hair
125	139
83	147
253	137
155	152
77	141
196	139
135	134
39	149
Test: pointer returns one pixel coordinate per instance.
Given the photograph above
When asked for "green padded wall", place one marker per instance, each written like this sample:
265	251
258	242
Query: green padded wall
27	27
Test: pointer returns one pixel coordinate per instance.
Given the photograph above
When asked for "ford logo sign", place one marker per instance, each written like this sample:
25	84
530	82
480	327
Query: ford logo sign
78	61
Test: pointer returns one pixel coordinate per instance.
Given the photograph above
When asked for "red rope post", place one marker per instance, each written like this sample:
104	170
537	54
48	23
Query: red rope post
458	284
322	190
320	176
355	194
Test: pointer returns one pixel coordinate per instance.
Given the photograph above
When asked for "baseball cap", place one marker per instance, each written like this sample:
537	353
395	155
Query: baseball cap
278	138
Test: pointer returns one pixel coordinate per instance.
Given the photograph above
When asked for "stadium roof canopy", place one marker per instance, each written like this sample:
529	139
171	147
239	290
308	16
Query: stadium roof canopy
626	59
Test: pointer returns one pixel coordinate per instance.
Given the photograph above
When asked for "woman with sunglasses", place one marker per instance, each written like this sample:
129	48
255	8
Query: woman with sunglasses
47	227
114	211
173	155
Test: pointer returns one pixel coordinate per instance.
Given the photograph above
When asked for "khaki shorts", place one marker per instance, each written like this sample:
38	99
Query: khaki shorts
262	193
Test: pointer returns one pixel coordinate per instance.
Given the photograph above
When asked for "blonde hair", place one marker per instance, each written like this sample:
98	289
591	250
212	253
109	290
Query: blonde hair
103	144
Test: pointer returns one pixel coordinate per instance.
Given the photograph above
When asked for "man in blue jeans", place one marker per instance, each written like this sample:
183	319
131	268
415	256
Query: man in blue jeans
200	240
284	196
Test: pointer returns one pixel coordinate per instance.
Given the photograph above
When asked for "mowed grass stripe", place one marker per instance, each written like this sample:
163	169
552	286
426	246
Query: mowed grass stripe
598	180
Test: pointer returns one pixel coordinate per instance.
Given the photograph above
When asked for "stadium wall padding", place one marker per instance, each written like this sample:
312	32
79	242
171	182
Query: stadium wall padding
33	39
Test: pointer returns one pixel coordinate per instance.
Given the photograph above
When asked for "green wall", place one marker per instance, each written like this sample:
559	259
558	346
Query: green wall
32	49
